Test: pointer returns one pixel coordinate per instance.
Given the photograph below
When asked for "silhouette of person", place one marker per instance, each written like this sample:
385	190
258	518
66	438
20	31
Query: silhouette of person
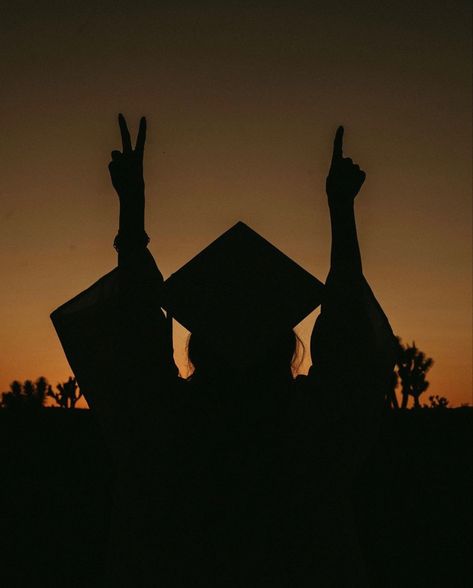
241	475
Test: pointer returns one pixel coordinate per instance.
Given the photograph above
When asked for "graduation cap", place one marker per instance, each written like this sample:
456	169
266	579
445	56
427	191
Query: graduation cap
240	292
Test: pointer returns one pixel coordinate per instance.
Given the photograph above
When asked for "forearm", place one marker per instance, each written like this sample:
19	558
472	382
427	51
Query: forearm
126	172
132	213
345	251
131	238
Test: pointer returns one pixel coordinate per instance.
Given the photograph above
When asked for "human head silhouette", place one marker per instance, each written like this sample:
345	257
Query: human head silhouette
241	297
279	360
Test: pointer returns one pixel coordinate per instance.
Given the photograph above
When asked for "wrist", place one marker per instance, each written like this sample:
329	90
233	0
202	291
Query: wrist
125	240
131	194
339	206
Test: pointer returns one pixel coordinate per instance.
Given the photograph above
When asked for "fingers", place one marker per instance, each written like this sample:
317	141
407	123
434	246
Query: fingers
126	140
140	140
348	166
338	145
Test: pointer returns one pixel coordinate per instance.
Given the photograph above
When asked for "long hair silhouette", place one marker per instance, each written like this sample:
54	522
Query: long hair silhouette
285	353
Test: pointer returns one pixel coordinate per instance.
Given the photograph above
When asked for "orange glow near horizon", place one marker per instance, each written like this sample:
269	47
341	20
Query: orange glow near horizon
242	105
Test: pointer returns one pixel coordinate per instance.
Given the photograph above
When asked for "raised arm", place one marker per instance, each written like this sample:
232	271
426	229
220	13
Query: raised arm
126	172
343	183
145	333
351	343
114	334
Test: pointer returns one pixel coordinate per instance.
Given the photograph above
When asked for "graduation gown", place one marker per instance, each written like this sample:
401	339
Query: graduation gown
230	483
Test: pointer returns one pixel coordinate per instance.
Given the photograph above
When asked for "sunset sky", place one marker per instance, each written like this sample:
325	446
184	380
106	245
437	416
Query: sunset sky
242	101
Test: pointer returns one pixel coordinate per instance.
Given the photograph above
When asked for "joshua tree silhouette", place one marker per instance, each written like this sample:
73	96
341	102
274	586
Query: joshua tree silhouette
412	367
29	395
67	395
437	402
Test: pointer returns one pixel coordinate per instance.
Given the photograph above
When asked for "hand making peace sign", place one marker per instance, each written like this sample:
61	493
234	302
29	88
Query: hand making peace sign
345	178
126	167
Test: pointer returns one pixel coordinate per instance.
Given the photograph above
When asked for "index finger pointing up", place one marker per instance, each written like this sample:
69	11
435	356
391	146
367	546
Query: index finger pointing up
126	140
338	145
141	138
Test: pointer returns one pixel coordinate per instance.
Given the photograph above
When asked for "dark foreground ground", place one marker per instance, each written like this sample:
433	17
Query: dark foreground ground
413	500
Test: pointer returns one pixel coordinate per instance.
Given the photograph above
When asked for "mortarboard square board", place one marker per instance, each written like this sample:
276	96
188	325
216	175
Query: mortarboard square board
240	292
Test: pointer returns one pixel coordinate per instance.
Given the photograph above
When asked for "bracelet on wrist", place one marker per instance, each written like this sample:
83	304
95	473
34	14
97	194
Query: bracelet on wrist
131	241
